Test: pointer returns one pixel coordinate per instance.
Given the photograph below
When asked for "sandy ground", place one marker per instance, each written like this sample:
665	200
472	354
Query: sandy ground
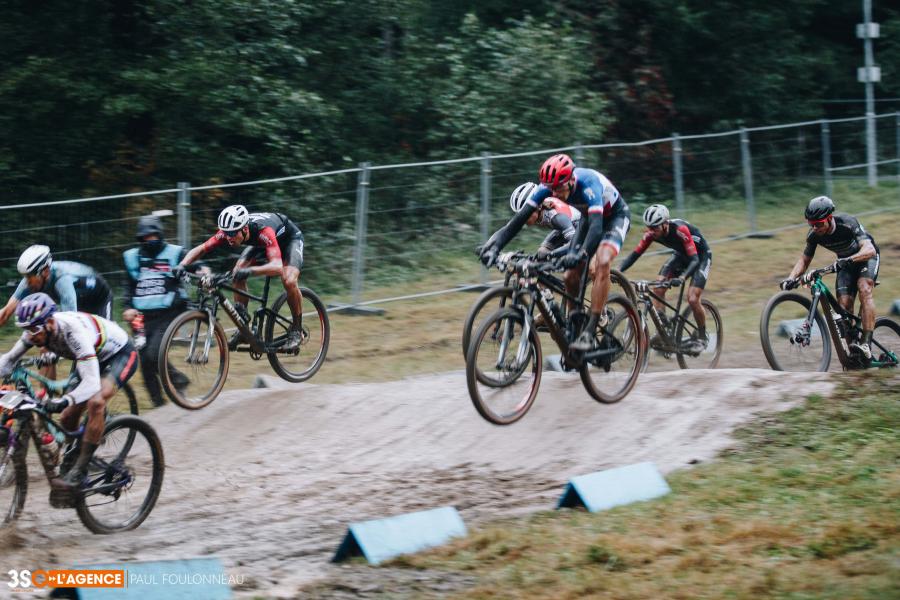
268	480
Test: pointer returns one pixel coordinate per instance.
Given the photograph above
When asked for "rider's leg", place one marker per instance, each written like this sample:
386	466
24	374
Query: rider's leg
241	299
572	279
867	308
694	296
290	277
600	291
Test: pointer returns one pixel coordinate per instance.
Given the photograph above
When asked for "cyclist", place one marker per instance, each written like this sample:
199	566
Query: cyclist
552	214
104	357
72	285
600	236
692	258
857	263
268	235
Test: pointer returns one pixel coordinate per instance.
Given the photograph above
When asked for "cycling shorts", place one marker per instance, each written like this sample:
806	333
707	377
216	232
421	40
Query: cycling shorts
616	225
848	277
291	252
678	262
120	366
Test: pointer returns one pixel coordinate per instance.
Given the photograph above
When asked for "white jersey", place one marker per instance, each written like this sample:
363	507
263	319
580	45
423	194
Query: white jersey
87	339
80	336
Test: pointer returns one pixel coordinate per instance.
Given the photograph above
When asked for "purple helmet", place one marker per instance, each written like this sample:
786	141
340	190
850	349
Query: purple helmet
35	310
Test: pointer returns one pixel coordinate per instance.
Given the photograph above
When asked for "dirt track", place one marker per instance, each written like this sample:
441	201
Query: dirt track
268	480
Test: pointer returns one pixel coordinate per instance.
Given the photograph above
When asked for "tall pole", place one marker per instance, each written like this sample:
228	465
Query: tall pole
184	214
747	168
871	151
359	250
485	203
826	156
678	175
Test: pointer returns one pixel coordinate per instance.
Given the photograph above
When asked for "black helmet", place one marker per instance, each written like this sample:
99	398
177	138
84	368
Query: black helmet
819	208
149	225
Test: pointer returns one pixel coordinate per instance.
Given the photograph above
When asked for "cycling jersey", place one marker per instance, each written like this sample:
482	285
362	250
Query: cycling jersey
682	237
560	217
73	286
269	232
846	239
593	192
89	340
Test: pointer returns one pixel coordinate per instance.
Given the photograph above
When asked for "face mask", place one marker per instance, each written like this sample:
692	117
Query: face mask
152	247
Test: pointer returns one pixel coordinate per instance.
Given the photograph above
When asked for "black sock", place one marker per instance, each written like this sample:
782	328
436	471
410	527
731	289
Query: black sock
84	458
867	337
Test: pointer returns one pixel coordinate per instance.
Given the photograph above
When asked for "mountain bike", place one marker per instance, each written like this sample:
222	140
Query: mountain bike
797	331
499	296
505	362
124	476
679	336
195	346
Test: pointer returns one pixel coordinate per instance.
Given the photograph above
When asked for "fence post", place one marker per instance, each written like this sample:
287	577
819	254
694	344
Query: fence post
826	157
679	175
897	144
183	202
579	154
485	204
748	177
362	217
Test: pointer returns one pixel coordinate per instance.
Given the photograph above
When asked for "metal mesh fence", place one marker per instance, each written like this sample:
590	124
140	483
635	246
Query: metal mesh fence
374	228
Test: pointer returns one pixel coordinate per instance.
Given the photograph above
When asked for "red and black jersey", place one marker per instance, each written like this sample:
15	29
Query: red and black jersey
682	237
267	231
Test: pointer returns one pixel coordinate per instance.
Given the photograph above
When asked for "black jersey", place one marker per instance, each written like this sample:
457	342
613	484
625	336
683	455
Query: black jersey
846	239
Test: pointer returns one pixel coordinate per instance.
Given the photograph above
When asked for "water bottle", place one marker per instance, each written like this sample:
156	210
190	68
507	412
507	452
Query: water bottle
137	327
49	448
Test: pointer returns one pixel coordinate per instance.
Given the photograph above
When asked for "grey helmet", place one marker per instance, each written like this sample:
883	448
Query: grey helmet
819	208
656	215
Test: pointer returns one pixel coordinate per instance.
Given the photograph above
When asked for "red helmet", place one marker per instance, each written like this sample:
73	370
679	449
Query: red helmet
556	170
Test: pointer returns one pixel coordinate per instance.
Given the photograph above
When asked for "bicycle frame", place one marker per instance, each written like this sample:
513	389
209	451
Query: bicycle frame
528	283
821	292
213	297
646	296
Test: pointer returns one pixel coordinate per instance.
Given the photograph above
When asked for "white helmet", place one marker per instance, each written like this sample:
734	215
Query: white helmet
520	195
34	259
234	218
655	215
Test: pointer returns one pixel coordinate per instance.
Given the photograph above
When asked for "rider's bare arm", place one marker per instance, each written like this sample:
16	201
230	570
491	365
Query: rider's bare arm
801	266
8	310
866	251
193	254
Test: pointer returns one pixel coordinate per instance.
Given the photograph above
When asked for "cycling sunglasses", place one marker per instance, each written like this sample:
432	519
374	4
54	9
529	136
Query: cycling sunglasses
814	222
35	329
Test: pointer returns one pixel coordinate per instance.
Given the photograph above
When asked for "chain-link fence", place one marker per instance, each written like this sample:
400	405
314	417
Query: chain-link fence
376	231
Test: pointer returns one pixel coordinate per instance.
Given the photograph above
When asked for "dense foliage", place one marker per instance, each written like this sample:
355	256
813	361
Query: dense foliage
104	97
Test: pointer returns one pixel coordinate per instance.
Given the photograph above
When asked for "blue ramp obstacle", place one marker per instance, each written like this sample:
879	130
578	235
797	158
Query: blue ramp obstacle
163	580
381	539
614	487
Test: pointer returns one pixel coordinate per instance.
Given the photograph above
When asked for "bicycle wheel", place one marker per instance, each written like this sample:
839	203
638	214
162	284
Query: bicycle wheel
123	480
191	374
695	358
511	363
645	363
13	483
488	299
886	342
301	363
610	377
620	284
789	344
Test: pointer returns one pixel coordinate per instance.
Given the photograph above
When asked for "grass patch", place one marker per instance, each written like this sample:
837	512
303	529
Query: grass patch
806	506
